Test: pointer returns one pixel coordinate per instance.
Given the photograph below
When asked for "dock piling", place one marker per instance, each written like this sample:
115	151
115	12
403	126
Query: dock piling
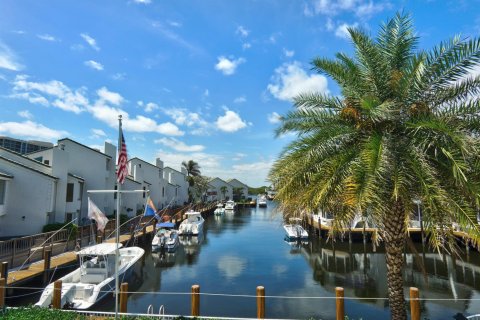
57	295
261	302
99	239
123	297
414	304
4	270
3	285
340	303
195	300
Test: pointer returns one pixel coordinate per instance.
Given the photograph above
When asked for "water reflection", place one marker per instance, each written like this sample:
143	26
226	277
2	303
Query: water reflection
239	251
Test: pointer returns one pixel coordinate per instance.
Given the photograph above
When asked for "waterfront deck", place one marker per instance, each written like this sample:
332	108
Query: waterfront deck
36	269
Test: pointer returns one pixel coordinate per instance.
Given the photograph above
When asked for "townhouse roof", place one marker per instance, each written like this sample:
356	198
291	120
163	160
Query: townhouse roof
175	170
234	179
87	147
27	167
217	178
25	157
75	176
151	164
6	175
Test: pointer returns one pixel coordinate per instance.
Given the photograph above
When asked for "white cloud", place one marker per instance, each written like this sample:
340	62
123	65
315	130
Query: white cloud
91	41
329	24
290	80
342	30
8	59
32	130
47	37
206	93
193	120
143	1
25	114
230	122
94	65
240	99
246	46
175	24
361	8
231	266
273	118
63	97
243	172
149	107
210	164
288	53
239	156
228	66
180	146
242	31
118	76
98	133
110	96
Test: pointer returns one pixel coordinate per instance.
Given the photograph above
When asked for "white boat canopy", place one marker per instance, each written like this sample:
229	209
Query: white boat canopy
100	249
193	213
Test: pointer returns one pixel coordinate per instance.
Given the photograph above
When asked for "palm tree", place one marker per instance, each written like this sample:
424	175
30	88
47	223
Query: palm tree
406	127
193	170
223	190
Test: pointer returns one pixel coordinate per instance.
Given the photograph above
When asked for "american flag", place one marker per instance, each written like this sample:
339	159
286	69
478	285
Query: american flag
122	169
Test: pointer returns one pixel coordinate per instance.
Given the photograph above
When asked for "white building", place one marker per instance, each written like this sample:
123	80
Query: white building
80	168
241	187
27	194
219	190
177	185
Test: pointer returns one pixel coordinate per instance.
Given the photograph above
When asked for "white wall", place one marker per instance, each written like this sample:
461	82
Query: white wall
238	184
216	185
179	180
29	194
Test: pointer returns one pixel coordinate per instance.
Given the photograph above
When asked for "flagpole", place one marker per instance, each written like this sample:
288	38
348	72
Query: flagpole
117	222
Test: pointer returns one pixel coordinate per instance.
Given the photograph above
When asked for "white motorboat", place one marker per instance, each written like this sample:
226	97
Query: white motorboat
219	210
166	237
295	231
95	277
262	201
193	225
323	218
230	205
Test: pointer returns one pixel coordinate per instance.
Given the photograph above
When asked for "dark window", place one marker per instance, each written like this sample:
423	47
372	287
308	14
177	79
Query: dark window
69	192
46	162
68	216
144	188
115	194
80	196
39	159
3	184
163	191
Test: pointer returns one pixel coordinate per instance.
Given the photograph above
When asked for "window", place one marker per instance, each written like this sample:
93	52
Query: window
80	196
70	192
3	185
115	194
176	191
47	162
68	216
163	191
144	188
39	159
107	164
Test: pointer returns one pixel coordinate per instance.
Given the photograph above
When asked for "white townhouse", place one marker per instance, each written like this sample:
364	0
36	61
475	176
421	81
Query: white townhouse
177	188
150	177
215	193
80	168
27	194
241	187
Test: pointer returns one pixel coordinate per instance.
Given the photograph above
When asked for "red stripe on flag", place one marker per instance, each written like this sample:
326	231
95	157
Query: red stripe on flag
122	168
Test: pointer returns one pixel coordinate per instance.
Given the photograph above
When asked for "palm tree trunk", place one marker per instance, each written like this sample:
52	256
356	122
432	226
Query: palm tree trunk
394	245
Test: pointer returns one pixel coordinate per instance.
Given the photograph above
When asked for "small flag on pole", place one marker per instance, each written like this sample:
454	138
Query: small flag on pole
122	168
150	209
96	214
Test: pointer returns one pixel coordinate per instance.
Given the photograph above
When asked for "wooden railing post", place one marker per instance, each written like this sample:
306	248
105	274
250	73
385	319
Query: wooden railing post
47	255
57	294
195	300
99	239
340	302
3	285
260	302
4	270
123	297
414	304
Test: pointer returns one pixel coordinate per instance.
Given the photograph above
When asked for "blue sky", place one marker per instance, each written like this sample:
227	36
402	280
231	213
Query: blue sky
202	80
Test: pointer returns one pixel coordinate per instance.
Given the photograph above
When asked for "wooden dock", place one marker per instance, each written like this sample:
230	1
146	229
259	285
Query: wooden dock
36	269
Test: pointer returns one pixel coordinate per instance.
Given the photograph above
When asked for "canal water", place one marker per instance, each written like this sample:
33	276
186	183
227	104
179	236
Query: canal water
246	249
241	251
